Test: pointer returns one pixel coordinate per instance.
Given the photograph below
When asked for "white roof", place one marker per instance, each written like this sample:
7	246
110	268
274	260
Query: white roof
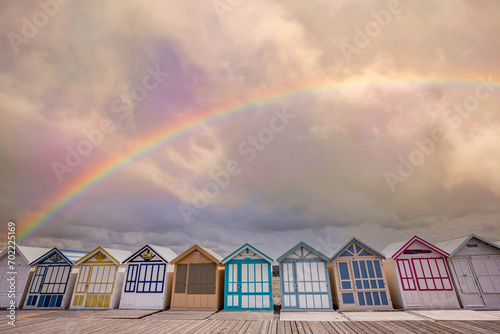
164	252
450	245
32	253
118	254
391	249
214	254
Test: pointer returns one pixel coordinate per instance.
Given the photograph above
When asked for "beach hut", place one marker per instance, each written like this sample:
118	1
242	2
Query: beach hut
16	262
52	282
198	280
100	278
148	278
304	279
475	268
418	276
248	280
358	278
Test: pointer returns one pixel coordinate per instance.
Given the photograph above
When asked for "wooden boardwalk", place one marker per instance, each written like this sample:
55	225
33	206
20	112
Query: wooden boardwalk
42	325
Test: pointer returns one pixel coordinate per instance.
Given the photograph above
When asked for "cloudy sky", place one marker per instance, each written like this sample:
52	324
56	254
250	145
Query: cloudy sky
318	120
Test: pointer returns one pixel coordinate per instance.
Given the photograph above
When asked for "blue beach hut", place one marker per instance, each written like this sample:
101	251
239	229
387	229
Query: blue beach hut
52	281
304	279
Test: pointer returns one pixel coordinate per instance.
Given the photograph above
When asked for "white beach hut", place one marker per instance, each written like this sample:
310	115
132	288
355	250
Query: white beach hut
148	278
475	267
16	263
418	276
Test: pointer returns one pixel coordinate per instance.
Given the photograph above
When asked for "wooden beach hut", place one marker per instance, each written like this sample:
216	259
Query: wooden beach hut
418	276
52	282
475	268
358	279
148	278
198	280
100	278
248	280
20	260
304	279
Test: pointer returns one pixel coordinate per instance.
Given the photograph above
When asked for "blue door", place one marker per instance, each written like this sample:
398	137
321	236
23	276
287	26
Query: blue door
362	283
248	285
48	286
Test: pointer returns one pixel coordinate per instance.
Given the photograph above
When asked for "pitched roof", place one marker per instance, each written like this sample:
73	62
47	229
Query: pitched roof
115	255
165	253
206	251
239	250
29	254
306	246
350	242
70	256
452	246
395	249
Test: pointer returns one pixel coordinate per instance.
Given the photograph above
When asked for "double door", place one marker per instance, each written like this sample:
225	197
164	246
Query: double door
94	286
305	285
248	286
477	276
362	283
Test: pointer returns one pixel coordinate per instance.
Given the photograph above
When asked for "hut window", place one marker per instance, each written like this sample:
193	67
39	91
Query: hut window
201	278
180	278
37	279
431	274
406	274
131	278
151	277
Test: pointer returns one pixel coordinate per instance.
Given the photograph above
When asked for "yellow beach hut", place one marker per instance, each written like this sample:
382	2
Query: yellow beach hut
100	278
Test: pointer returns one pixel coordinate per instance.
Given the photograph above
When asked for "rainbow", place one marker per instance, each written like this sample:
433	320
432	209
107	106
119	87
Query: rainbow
45	216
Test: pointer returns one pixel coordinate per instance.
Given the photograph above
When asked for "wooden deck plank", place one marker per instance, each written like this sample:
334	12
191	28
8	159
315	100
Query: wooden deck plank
396	328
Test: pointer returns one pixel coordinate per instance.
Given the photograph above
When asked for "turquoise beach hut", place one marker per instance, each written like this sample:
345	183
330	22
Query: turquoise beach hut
248	281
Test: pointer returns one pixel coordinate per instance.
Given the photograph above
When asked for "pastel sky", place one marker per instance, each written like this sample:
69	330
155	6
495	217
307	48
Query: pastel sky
321	119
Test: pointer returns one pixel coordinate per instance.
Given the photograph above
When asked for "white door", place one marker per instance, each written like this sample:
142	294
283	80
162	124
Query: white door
470	292
289	295
312	286
487	270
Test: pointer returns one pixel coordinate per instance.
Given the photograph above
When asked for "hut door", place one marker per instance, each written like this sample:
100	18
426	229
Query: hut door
255	285
312	288
233	286
289	289
470	292
487	270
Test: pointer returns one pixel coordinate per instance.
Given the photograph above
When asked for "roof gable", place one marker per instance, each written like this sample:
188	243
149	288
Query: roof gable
355	250
305	246
28	254
163	253
59	255
205	251
392	250
452	246
238	252
115	255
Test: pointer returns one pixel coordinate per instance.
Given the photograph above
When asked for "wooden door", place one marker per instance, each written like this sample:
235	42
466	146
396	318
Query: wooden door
471	295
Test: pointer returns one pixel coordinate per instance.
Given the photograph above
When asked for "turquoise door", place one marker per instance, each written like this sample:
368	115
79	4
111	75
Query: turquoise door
248	285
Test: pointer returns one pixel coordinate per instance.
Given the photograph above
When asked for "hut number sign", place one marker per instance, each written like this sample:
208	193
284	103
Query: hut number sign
417	251
196	255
